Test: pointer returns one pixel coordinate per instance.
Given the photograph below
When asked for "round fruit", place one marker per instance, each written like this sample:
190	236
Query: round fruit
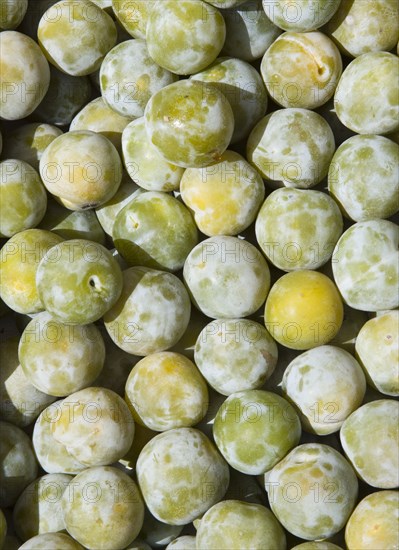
51	540
300	17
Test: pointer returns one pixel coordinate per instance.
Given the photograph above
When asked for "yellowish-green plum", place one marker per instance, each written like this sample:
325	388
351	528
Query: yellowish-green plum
18	464
145	165
21	403
90	284
365	265
303	310
181	475
326	384
186	542
244	89
249	32
82	168
59	359
51	540
75	37
255	429
226	277
303	16
292	146
19	260
155	230
12	13
363	177
133	16
25	75
377	348
151	314
317	545
225	196
28	142
38	509
298	228
312	491
165	390
175	45
23	199
301	69
52	455
373	523
190	122
363	26
129	77
235	355
108	499
97	116
370	438
371	75
234	524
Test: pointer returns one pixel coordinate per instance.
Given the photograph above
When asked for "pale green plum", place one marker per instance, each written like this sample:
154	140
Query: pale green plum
52	456
138	545
301	69
370	438
186	36
317	545
181	475
95	425
129	77
105	510
72	224
244	89
249	32
240	421
155	533
226	277
190	123
82	168
25	74
235	355
38	509
19	260
145	165
59	359
97	116
225	196
78	281
165	390
65	97
28	142
51	540
76	37
23	199
12	13
373	523
363	26
21	403
151	314
18	464
303	16
325	384
107	212
186	542
133	15
234	524
367	96
363	177
292	146
312	491
377	348
155	230
3	528
298	228
365	265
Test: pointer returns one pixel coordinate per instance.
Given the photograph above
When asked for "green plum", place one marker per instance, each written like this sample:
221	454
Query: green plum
51	540
155	533
181	475
90	284
255	429
12	13
317	545
151	314
186	542
133	16
306	15
23	199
